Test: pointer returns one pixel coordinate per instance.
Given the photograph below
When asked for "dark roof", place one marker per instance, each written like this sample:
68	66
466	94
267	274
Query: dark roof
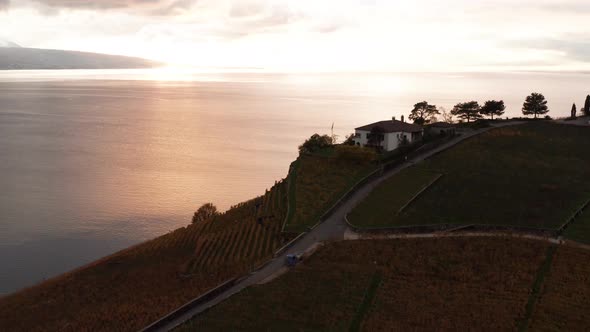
392	126
441	125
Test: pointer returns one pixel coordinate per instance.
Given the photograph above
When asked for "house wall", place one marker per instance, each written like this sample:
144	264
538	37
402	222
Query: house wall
361	137
391	141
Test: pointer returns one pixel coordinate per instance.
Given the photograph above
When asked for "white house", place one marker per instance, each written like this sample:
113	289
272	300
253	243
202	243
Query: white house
388	135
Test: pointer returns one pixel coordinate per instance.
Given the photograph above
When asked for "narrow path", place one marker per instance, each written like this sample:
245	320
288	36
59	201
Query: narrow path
332	229
580	121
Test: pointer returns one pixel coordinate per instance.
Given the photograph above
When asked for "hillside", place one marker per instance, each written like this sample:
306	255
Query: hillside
528	176
505	176
318	180
416	284
132	288
13	58
8	43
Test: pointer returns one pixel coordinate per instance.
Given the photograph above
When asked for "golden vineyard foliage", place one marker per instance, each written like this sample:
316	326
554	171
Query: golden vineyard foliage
426	284
321	180
134	287
565	295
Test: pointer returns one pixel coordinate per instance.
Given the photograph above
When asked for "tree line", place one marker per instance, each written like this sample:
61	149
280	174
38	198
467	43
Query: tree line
585	110
535	104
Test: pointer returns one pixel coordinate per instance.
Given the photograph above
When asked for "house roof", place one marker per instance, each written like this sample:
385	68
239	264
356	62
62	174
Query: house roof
441	125
392	126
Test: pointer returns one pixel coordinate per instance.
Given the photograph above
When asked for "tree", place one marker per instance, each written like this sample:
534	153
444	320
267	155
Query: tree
493	107
535	104
205	212
349	139
467	111
423	112
586	109
402	140
376	137
315	143
574	111
446	115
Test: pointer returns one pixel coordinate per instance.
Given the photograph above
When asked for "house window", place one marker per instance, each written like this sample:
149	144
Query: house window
376	137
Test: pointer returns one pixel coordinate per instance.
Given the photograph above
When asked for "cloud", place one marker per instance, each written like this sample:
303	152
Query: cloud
144	7
253	16
246	9
579	7
575	47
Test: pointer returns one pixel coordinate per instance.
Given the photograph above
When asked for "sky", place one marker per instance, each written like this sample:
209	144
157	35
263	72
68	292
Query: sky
315	35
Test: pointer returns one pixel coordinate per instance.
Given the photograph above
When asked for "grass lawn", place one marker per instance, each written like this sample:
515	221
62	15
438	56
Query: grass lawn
532	175
318	182
385	285
384	203
579	229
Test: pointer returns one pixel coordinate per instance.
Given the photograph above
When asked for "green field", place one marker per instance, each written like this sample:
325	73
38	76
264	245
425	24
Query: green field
579	229
383	205
531	175
384	285
319	180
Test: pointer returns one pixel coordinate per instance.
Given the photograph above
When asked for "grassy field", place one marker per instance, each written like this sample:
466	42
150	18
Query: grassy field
565	295
132	288
579	229
311	298
410	284
529	175
384	203
319	180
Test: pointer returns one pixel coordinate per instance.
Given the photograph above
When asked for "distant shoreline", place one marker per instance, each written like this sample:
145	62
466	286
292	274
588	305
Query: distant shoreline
16	58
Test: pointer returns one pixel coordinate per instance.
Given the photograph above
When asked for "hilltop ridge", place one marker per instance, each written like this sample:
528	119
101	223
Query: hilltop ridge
14	57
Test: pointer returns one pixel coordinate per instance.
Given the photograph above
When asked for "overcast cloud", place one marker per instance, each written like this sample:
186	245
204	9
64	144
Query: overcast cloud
420	35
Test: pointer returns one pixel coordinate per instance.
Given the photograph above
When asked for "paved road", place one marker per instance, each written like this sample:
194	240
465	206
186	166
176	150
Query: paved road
332	229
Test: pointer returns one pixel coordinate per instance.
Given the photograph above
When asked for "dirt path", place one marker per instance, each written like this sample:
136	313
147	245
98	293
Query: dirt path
332	229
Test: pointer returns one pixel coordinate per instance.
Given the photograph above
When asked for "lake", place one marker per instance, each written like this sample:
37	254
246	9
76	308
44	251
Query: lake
95	161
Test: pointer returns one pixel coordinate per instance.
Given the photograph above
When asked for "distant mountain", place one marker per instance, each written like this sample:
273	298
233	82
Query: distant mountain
14	57
7	43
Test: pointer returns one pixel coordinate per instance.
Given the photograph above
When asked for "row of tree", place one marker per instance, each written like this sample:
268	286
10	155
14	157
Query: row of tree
585	110
424	113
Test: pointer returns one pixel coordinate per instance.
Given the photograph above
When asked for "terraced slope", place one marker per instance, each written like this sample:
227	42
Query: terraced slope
132	288
318	181
384	285
530	175
564	299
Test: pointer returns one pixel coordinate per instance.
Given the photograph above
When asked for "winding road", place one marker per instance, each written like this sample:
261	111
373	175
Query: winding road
333	228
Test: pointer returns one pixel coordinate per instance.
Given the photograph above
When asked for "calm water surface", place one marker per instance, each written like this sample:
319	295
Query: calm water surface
94	161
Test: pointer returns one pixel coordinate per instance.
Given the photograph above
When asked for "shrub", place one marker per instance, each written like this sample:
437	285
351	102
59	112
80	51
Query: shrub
315	143
349	140
205	212
355	154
